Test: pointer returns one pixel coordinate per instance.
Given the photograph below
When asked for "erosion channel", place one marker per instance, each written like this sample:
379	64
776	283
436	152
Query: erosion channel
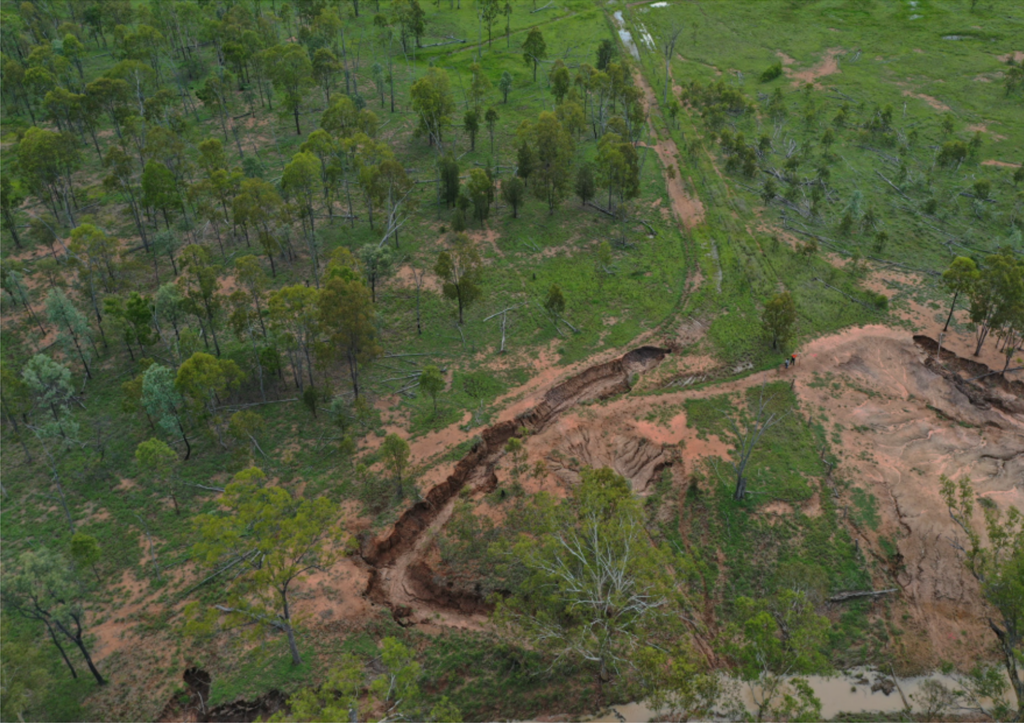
400	577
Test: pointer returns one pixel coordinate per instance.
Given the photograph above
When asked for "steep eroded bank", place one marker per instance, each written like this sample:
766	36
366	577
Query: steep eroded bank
400	577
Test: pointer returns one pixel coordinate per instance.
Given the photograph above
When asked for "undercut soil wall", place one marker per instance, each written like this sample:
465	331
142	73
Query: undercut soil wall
477	469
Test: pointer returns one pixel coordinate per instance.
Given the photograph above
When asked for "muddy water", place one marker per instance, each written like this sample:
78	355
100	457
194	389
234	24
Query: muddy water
625	36
841	694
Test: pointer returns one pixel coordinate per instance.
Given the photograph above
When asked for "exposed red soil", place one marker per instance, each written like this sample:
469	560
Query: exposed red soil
933	102
983	127
1001	164
828	65
405	278
903	421
400	577
687	207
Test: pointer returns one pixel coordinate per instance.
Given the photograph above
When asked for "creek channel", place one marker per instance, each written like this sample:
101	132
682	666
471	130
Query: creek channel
854	691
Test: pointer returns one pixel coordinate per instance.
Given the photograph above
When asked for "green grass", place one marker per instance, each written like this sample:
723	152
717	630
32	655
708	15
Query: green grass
866	508
256	677
733	43
487	678
524	257
738	548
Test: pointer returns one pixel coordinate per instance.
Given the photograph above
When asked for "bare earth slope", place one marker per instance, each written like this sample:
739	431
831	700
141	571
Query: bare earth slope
902	421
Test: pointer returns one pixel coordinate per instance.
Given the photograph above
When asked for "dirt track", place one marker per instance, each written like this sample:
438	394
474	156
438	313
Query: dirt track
688	209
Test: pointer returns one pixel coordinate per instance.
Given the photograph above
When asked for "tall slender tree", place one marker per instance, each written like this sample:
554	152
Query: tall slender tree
73	328
459	269
274	542
44	588
348	318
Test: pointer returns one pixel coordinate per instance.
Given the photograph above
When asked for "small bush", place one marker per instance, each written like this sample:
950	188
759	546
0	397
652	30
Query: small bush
771	72
952	153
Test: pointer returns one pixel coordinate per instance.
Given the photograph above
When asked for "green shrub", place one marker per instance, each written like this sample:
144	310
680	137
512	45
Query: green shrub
771	72
952	153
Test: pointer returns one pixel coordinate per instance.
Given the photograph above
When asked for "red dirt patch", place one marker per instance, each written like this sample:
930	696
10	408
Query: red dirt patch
688	209
903	425
405	278
1001	164
828	65
933	102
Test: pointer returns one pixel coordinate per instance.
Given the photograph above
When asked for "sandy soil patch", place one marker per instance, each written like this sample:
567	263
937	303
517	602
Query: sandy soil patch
933	102
828	65
902	425
1017	55
333	594
688	208
405	278
487	237
983	128
1001	164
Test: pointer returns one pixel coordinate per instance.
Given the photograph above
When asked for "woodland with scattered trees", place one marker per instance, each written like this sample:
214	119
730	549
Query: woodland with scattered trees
255	252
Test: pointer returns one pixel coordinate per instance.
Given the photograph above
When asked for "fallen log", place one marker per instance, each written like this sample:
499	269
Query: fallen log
844	596
450	41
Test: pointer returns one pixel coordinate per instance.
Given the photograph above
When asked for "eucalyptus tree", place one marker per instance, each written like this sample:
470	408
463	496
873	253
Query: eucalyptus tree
164	403
43	587
434	104
274	541
200	289
291	72
348	319
594	589
10	200
301	182
535	50
47	160
259	206
377	264
73	328
460	269
294	319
